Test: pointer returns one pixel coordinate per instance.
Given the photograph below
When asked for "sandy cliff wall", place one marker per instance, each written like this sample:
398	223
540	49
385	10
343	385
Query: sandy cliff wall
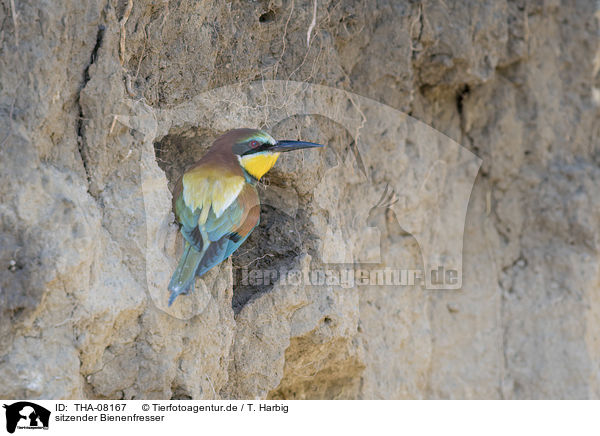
98	118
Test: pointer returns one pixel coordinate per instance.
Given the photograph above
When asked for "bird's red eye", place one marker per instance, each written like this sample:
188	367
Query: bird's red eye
254	144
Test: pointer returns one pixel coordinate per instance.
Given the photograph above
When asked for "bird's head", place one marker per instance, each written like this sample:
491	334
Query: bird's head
257	151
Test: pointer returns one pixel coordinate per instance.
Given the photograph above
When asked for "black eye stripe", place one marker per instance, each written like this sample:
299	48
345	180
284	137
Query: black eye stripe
251	146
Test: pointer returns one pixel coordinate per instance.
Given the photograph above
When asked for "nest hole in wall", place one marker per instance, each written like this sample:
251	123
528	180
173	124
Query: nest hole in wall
280	238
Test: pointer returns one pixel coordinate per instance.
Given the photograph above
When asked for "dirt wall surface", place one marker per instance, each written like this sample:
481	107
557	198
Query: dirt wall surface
103	105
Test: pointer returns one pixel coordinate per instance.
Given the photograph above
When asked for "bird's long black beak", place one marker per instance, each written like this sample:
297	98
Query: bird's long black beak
288	145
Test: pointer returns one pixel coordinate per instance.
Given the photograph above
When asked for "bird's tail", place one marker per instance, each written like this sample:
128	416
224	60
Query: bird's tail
185	274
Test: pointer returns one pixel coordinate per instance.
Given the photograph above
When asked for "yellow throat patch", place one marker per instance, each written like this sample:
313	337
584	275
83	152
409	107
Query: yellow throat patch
258	164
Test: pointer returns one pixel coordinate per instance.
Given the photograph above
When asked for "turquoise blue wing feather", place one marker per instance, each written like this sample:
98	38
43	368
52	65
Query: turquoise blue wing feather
189	223
236	241
228	233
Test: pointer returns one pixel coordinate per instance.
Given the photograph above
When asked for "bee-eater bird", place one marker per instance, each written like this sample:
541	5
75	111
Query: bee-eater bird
216	202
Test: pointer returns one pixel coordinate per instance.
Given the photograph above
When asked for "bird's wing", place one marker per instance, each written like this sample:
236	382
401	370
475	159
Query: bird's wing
206	188
204	191
227	232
